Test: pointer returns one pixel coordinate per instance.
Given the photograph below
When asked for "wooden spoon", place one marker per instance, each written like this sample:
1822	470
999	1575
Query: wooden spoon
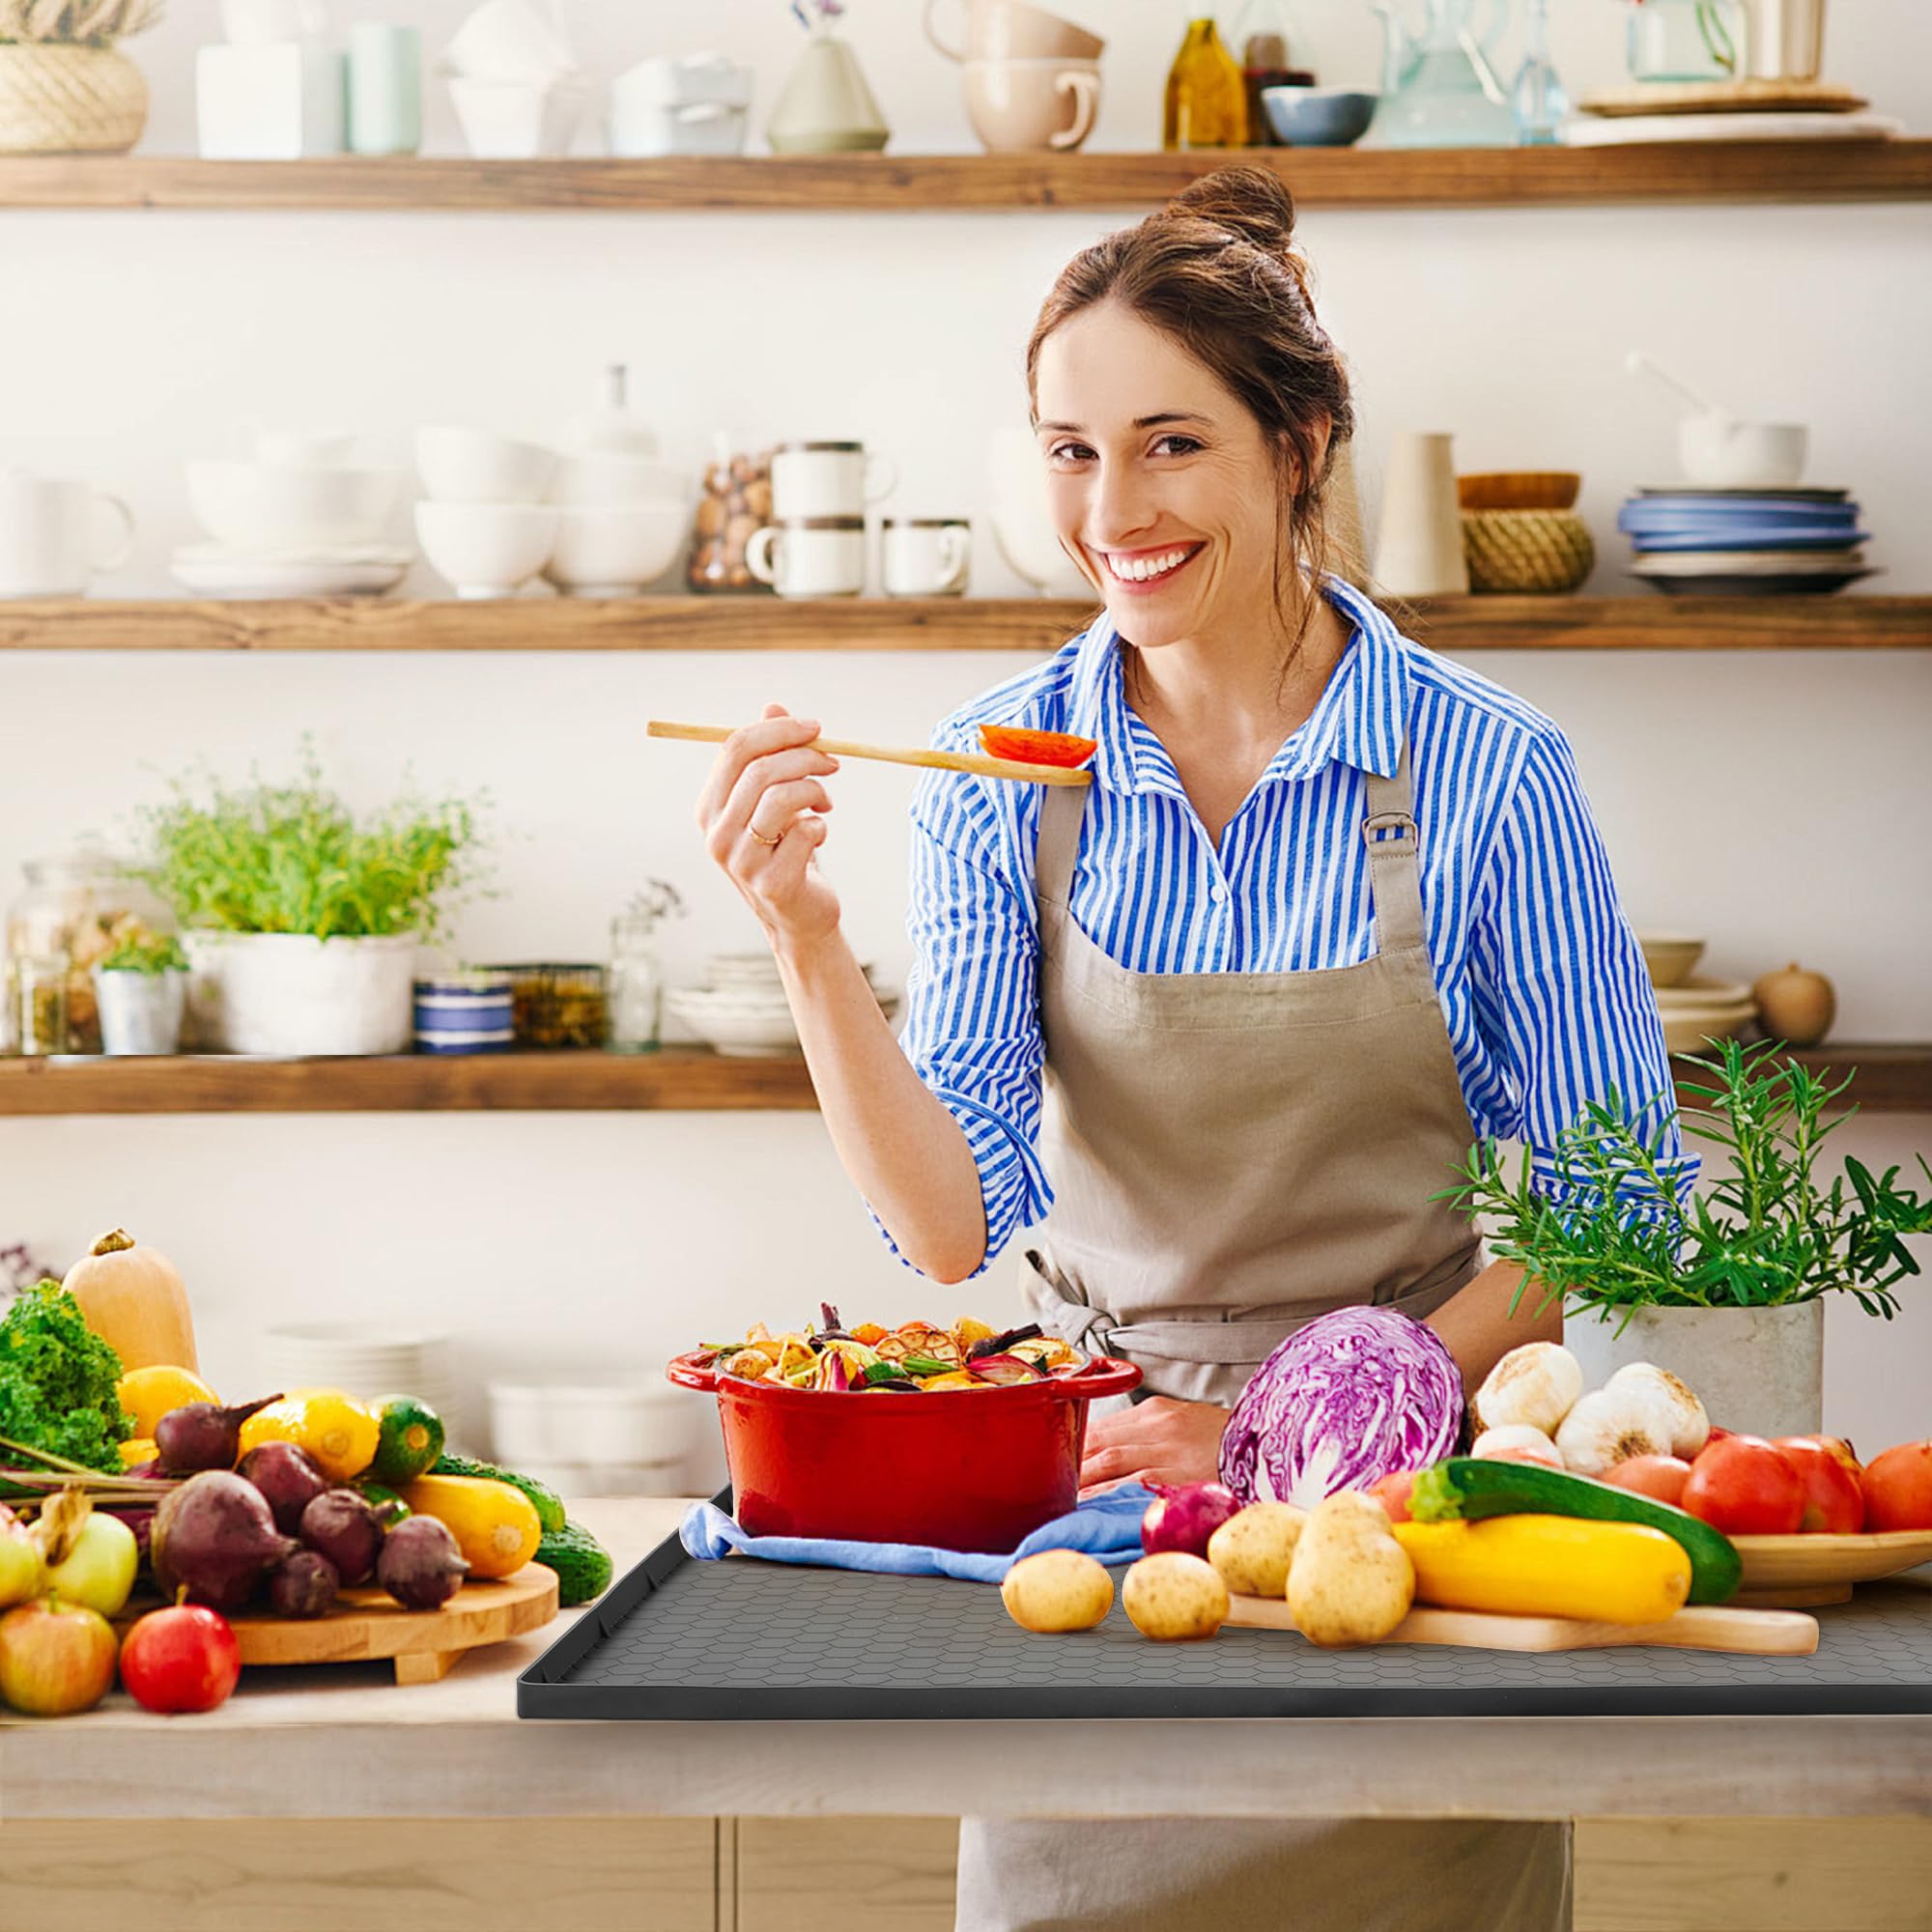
942	761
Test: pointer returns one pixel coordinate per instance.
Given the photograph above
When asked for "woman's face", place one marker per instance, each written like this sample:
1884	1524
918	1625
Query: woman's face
1163	487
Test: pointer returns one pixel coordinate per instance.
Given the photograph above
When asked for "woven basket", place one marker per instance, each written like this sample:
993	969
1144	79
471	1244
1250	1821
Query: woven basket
62	99
1526	549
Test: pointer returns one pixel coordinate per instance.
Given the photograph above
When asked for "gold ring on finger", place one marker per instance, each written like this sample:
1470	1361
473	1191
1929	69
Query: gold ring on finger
761	839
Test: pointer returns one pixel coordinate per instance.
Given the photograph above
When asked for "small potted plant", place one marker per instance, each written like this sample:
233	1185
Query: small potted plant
65	88
139	985
300	919
1725	1289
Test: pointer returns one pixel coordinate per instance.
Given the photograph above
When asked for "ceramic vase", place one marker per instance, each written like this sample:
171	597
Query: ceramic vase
1419	547
826	107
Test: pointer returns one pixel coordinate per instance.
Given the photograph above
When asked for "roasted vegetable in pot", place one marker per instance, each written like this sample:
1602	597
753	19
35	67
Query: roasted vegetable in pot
344	1526
1350	1581
304	1585
287	1476
216	1537
1058	1590
203	1435
421	1565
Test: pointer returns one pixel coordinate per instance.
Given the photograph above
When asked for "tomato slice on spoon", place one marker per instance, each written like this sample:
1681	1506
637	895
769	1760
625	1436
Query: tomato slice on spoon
1037	748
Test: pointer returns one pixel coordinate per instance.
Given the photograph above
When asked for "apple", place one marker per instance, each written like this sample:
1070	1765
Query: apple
23	1574
1835	1501
182	1658
55	1658
98	1570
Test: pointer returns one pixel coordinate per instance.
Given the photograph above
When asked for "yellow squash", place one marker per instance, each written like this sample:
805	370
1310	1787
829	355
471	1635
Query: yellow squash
148	1394
339	1435
496	1527
1549	1566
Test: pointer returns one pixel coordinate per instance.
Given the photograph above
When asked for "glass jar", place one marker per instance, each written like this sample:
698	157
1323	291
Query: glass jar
734	503
1684	39
80	905
635	987
1206	104
40	1003
1273	50
556	1006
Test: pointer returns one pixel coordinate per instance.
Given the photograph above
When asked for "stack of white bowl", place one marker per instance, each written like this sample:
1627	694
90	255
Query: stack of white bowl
624	516
514	82
362	1360
741	1009
301	519
1694	1008
593	1438
485	525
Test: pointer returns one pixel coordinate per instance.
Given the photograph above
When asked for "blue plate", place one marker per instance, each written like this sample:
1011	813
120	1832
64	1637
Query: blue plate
1736	540
1734	506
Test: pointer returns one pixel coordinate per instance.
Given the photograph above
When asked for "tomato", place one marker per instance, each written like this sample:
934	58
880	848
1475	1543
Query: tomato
1746	1487
1898	1487
1659	1477
1834	1500
1392	1492
1035	747
182	1658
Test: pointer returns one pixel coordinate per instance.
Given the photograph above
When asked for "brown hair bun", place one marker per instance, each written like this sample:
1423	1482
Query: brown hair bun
1252	203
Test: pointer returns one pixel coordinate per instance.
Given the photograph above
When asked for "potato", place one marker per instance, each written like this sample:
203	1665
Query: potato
1058	1590
1175	1597
1351	1581
1253	1550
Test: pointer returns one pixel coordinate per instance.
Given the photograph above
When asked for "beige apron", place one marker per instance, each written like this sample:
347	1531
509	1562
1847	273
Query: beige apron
1232	1153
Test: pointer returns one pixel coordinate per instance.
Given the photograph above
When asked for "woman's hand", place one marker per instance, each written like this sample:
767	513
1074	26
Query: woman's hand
762	811
1159	1439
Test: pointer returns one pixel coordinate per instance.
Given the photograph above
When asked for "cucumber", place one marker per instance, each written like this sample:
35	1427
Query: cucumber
409	1438
549	1504
581	1563
384	1499
1469	1488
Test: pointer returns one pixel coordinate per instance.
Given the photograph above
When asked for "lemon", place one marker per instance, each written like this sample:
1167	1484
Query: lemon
148	1394
339	1435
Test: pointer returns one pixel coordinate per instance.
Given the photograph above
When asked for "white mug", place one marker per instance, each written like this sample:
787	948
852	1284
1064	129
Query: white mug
925	557
262	23
50	535
827	479
810	557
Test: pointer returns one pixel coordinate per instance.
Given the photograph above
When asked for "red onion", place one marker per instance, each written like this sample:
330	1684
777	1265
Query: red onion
1184	1519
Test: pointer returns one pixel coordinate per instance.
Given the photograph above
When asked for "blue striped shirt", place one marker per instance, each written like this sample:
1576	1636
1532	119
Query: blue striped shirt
1543	986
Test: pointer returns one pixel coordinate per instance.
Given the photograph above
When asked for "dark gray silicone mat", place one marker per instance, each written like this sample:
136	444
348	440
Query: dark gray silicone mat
679	1639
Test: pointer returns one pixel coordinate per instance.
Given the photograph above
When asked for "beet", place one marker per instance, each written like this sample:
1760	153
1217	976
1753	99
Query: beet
421	1565
287	1475
304	1585
203	1435
344	1526
214	1536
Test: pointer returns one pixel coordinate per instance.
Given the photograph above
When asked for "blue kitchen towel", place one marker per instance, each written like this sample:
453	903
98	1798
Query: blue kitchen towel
1106	1526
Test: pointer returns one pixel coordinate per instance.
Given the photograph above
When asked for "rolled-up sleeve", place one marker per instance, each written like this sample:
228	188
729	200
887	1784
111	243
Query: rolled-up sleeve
1560	984
971	1026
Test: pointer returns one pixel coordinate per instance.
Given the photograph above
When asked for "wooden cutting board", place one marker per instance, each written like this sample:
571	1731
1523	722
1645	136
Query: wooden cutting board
1702	1627
369	1625
1725	96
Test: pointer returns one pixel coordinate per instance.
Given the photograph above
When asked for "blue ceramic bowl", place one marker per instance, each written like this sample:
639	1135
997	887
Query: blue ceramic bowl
1318	117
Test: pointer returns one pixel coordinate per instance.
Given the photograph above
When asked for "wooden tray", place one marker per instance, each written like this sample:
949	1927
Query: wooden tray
1818	1561
1725	96
1703	1627
369	1623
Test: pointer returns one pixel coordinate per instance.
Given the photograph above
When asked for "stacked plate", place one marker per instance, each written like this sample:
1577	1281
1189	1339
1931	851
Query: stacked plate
741	1009
1744	542
1699	1009
362	1360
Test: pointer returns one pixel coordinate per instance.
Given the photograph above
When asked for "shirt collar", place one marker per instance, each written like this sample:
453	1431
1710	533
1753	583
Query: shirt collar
1358	720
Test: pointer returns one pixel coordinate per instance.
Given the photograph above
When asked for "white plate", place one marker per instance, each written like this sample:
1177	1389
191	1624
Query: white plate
228	574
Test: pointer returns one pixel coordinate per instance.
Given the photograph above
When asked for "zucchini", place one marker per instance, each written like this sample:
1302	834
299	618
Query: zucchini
1469	1488
1549	1566
549	1504
581	1563
493	1522
409	1438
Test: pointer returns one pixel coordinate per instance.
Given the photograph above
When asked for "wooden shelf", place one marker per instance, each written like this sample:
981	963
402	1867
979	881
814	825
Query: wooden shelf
1035	625
1780	171
1892	1078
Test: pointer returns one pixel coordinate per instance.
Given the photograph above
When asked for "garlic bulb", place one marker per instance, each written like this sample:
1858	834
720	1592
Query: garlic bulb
1534	1386
1609	1425
1517	1436
1690	1426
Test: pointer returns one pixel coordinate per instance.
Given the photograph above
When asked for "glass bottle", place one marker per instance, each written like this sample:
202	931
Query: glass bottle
40	984
1273	52
1206	103
634	982
1539	100
1684	39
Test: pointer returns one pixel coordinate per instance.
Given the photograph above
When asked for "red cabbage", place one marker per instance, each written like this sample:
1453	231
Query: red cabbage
1351	1397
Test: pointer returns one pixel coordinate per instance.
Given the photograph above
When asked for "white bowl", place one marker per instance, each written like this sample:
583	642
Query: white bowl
515	120
602	479
476	465
1670	956
620	1423
487	549
255	506
1726	455
614	553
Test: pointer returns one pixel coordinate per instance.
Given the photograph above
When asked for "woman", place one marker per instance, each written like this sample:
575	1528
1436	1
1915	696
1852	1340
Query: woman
1332	907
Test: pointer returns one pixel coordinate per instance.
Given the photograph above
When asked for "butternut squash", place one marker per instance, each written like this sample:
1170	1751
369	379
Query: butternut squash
1549	1566
496	1527
133	1297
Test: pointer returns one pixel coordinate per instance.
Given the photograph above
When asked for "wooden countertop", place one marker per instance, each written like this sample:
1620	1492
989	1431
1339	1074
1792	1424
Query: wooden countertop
346	1740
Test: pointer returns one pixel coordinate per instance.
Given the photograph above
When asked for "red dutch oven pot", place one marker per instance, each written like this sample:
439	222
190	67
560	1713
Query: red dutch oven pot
958	1469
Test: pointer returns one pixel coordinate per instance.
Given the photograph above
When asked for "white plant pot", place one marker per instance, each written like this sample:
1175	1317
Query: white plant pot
140	1012
287	994
1757	1371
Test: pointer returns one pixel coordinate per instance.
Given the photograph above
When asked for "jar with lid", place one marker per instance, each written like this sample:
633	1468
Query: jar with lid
80	905
1684	39
636	981
1207	103
38	997
734	503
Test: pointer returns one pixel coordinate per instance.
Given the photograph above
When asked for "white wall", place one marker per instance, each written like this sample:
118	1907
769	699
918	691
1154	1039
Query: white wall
1773	801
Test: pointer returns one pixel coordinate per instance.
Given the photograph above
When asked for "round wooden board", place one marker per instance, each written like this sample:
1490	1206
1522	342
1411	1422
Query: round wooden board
1725	96
369	1623
1776	1562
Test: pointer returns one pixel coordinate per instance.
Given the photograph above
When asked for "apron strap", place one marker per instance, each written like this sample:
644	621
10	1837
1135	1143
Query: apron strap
1394	864
1062	812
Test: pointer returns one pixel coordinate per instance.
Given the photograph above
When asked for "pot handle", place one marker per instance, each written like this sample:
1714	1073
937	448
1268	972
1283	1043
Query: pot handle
1115	1377
684	1371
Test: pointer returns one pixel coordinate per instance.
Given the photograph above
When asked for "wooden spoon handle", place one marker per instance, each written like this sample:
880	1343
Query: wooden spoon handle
884	754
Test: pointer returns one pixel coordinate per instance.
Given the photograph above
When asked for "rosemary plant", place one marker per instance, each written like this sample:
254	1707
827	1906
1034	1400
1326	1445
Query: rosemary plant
1767	1233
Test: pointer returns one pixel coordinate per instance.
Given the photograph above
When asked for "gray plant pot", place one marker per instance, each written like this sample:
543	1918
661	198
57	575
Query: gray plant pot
140	1012
1757	1371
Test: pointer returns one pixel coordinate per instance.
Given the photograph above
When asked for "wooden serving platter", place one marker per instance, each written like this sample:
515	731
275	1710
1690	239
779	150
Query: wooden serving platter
369	1625
1820	1561
1702	1627
1725	96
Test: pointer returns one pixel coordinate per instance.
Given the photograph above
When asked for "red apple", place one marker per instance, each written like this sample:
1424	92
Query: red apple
1746	1487
1835	1501
182	1659
55	1658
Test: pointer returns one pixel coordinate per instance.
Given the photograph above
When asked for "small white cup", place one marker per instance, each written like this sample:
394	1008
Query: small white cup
827	479
925	557
810	557
51	535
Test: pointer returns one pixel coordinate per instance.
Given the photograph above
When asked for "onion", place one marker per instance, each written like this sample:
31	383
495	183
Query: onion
421	1565
214	1538
1184	1519
344	1526
287	1475
203	1435
1348	1397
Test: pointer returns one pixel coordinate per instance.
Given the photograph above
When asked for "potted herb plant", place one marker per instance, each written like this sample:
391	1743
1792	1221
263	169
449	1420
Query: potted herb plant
1725	1289
301	920
65	88
139	985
